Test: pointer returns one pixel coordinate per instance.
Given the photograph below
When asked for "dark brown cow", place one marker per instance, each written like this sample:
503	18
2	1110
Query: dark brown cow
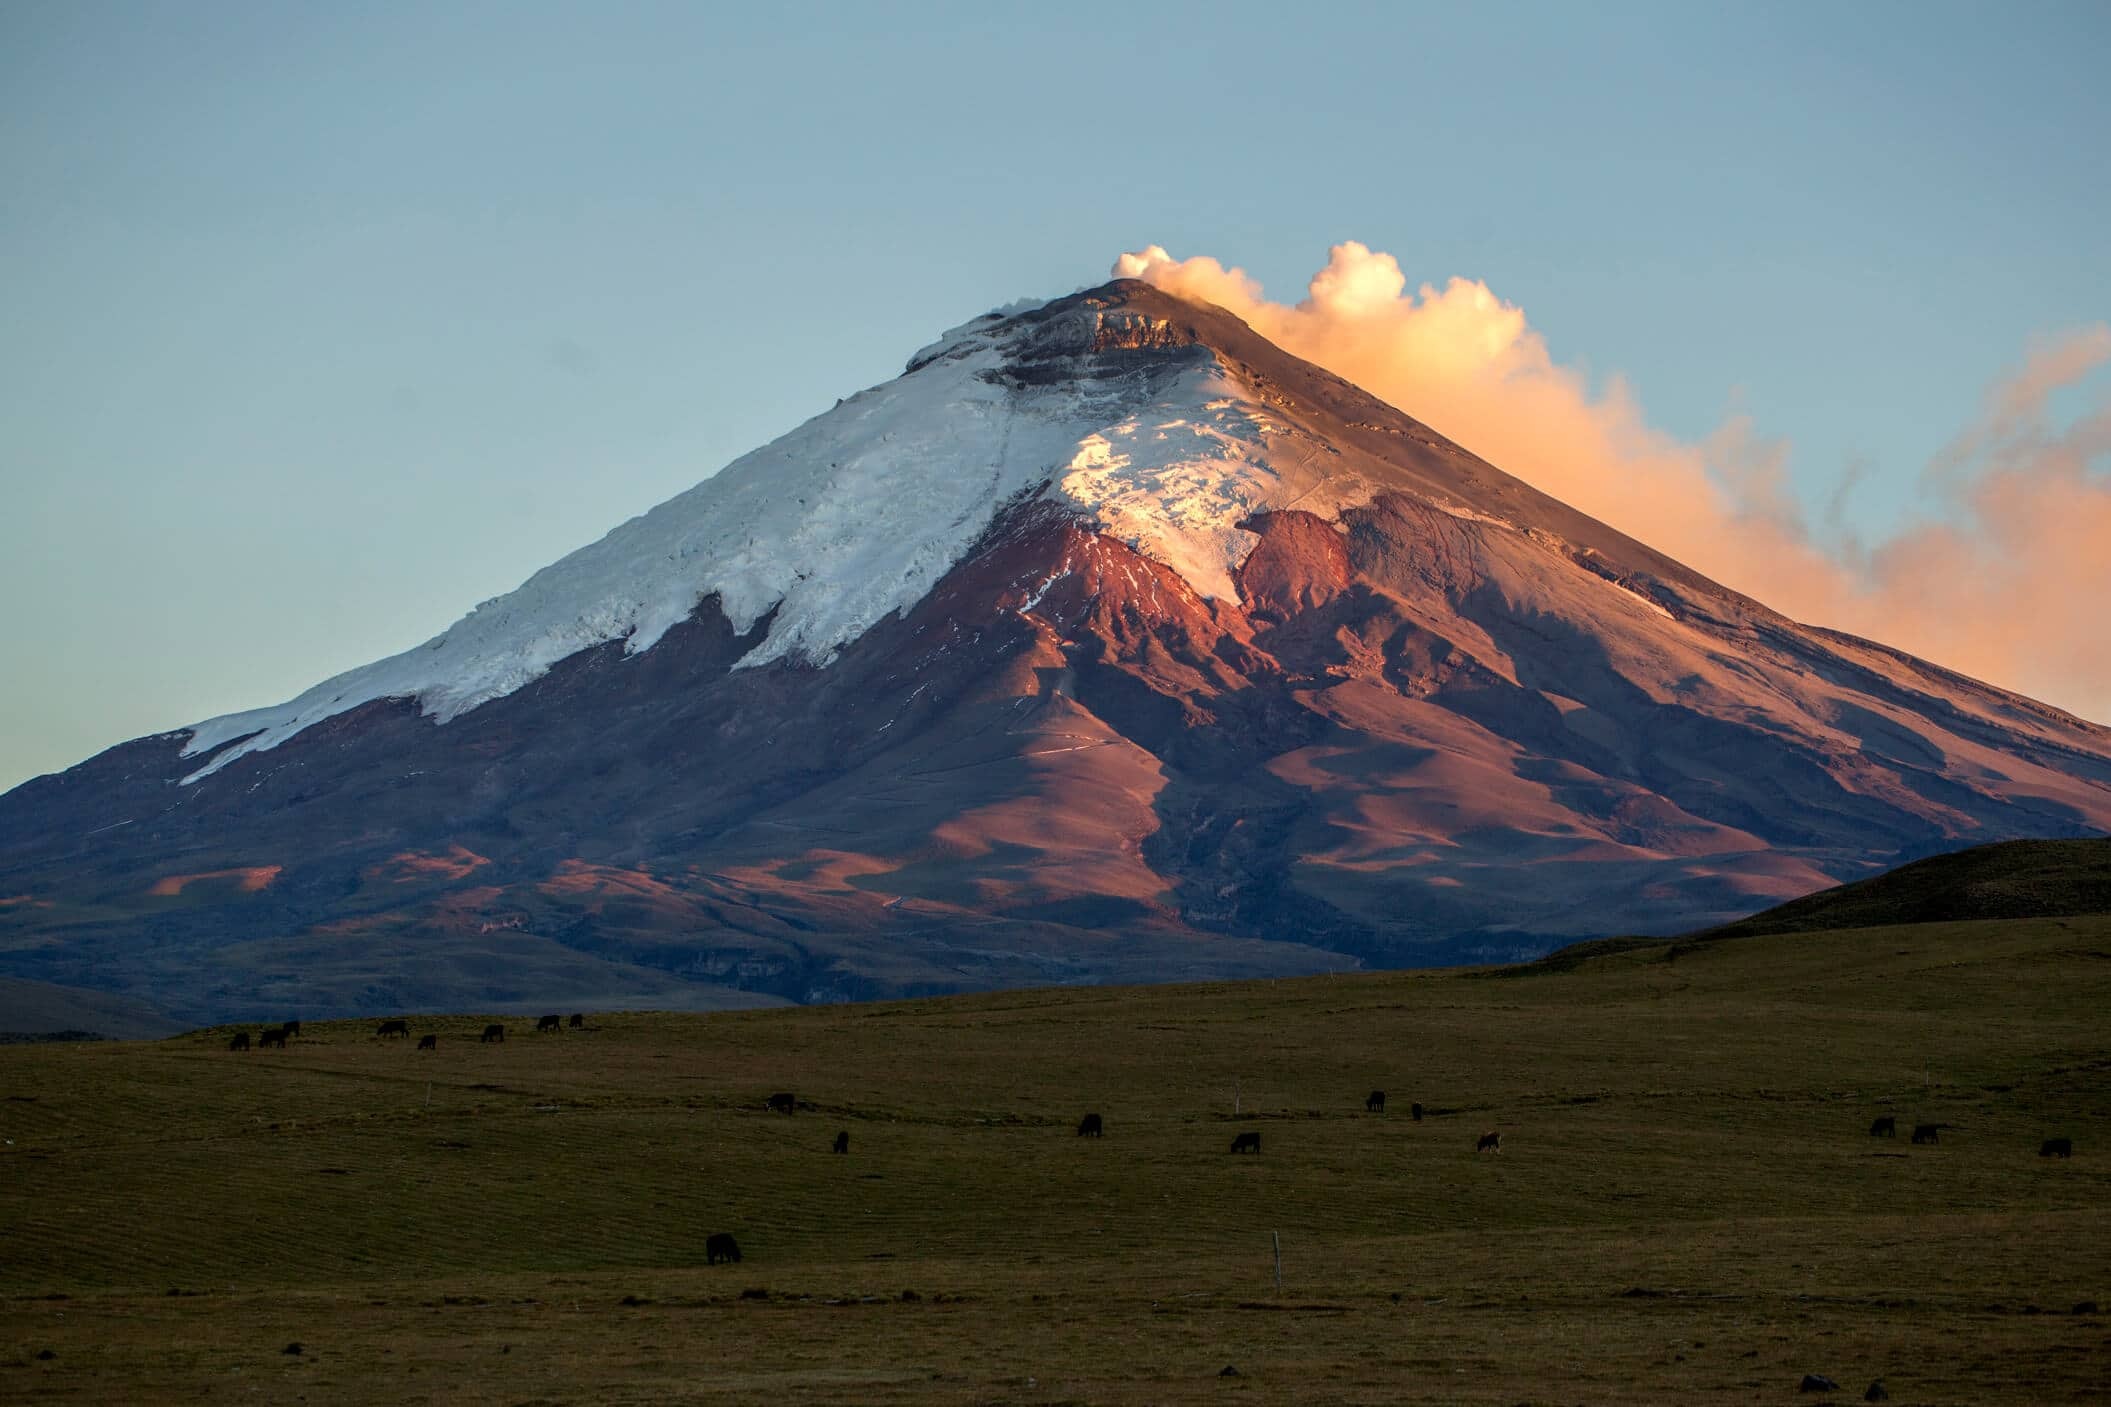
842	1141
428	1042
240	1041
1490	1143
1885	1127
783	1104
2056	1148
272	1036
549	1023
1246	1143
494	1032
1090	1127
1375	1104
291	1028
578	1020
1416	1111
719	1246
393	1028
1927	1133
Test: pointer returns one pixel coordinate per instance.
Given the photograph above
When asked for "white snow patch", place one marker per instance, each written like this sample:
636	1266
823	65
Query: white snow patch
1635	596
1468	515
1043	589
1174	488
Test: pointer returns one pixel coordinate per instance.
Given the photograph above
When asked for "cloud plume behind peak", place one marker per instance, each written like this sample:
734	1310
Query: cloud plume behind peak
2001	572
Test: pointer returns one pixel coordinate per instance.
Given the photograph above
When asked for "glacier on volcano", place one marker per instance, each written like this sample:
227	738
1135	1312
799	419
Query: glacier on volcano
853	516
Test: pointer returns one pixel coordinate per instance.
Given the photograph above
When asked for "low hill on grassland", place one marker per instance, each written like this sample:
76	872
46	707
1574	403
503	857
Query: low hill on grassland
2014	879
1687	1205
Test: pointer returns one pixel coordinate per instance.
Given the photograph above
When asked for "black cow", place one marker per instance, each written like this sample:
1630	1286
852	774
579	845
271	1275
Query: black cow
1886	1127
240	1041
719	1246
274	1035
1246	1143
549	1023
1416	1110
393	1028
494	1032
783	1104
291	1028
1490	1143
1927	1133
578	1019
1375	1104
428	1042
842	1144
1090	1127
2056	1148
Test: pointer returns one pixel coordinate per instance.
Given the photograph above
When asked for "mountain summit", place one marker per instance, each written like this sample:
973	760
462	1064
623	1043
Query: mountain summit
1107	642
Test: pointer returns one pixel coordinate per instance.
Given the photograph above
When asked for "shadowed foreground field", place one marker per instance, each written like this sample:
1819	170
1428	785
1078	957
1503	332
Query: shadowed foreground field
1687	1205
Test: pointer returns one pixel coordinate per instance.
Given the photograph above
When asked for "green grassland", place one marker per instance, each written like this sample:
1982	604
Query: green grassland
1687	1206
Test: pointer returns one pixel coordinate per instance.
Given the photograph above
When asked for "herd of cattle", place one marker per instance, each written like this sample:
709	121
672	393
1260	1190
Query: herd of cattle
495	1032
1094	1126
722	1248
1091	1126
266	1038
1886	1126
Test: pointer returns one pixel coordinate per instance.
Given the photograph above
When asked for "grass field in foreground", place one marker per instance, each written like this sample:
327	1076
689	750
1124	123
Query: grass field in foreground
1687	1205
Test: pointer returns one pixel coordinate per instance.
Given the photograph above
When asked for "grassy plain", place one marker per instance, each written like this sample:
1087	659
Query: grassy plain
1687	1206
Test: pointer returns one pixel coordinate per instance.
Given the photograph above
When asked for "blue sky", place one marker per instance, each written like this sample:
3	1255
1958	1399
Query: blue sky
323	323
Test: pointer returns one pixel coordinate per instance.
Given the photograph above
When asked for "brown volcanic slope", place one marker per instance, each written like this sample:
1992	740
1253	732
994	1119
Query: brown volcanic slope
1458	722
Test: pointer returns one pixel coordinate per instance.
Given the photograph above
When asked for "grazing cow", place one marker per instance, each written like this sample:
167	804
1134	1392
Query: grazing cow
1927	1133
494	1032
291	1028
842	1141
719	1246
1090	1127
549	1023
1376	1103
578	1019
240	1041
272	1036
783	1104
1416	1110
1490	1143
393	1028
1886	1127
1246	1143
428	1042
2056	1148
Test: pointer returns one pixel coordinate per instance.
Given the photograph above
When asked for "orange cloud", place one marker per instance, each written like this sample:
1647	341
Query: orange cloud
2002	580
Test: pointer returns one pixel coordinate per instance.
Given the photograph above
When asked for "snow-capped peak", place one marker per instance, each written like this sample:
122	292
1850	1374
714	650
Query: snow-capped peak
856	514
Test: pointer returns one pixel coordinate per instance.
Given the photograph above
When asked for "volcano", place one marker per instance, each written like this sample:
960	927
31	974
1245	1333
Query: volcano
1108	642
